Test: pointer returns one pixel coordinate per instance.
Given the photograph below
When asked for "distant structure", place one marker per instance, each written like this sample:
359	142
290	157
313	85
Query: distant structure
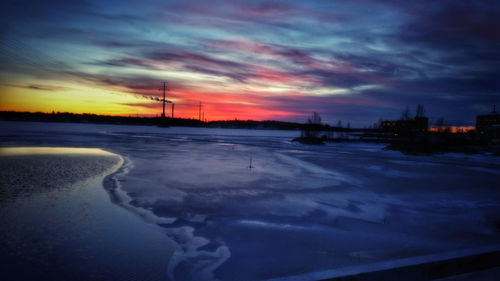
488	123
199	112
164	101
406	126
164	84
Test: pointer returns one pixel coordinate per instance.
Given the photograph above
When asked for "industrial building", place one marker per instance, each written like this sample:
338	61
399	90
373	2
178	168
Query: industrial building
488	123
406	126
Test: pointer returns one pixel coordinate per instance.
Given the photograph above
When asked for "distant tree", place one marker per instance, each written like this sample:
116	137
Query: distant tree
406	114
313	126
420	111
315	119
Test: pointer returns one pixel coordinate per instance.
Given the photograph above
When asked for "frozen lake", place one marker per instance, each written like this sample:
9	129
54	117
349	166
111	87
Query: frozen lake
298	209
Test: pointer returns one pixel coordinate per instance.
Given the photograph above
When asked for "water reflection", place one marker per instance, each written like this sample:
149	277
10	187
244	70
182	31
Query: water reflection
72	232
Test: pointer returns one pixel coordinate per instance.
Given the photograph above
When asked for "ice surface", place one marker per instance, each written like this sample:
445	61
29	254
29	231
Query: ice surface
57	222
28	170
298	209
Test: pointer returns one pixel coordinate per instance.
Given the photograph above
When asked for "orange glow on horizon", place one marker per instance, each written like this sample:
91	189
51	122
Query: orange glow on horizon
453	129
77	99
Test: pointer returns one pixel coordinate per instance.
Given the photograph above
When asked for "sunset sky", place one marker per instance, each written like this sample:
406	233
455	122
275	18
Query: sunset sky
355	60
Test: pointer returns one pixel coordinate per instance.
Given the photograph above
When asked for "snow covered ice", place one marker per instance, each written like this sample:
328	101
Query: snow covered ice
295	208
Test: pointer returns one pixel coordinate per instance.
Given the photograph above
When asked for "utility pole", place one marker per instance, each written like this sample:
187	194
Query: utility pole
172	110
163	114
199	112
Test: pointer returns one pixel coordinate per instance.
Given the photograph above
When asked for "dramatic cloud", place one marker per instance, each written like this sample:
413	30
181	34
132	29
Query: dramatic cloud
350	60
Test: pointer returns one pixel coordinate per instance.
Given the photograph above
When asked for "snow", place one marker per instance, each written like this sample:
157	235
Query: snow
299	209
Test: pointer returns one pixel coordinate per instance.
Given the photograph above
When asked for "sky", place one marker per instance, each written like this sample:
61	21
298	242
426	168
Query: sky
355	61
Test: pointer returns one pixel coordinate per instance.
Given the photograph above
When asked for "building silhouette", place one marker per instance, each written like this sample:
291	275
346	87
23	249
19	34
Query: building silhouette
410	126
488	123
